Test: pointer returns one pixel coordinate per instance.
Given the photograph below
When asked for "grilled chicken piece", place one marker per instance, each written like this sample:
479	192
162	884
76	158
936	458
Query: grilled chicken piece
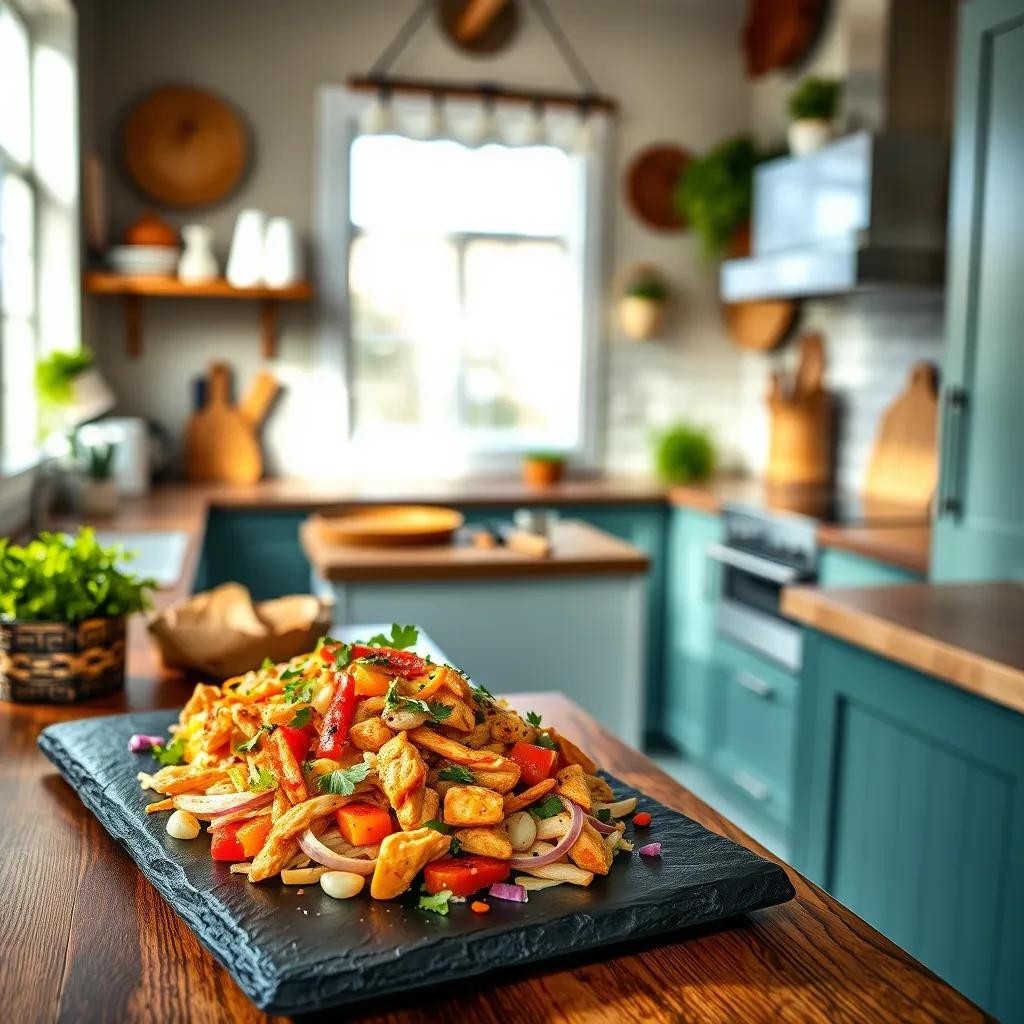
572	754
485	760
282	844
501	781
473	805
369	708
440	678
572	784
186	778
203	698
480	735
215	734
403	775
591	852
286	768
247	720
370	735
490	842
462	719
403	855
520	802
507	727
423	807
599	789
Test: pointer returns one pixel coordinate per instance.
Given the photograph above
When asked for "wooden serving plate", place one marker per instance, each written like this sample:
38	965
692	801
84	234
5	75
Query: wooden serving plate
391	525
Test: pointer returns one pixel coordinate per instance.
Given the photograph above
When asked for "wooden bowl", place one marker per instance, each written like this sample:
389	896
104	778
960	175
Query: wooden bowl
391	525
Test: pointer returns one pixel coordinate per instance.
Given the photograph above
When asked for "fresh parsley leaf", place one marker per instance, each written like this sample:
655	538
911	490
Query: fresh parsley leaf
603	814
395	701
549	808
342	654
455	847
439	712
299	691
544	740
438	826
533	718
457	773
263	781
293	673
266	664
374	659
401	637
480	693
250	745
437	904
322	642
301	719
173	753
428	659
342	781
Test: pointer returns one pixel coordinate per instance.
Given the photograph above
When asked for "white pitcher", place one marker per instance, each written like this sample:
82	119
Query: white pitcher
245	261
282	256
197	263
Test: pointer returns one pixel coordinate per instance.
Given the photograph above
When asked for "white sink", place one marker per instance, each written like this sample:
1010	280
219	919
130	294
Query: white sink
159	554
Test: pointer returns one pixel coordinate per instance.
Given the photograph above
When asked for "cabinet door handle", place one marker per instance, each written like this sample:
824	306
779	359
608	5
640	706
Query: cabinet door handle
950	503
753	787
755	685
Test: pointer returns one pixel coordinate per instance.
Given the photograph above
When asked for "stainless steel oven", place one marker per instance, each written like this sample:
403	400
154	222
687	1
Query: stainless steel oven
762	553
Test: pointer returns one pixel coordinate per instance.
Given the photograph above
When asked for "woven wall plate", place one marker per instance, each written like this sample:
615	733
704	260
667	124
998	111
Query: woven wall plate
184	147
650	182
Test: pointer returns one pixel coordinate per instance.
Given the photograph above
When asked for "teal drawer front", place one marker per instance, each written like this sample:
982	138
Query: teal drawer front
845	569
258	549
755	728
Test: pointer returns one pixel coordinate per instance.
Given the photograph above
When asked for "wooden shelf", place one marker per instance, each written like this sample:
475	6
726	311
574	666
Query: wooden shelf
133	288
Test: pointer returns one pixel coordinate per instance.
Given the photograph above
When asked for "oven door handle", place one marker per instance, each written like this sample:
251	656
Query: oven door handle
753	564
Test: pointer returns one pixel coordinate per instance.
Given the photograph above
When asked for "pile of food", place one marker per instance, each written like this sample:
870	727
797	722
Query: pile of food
366	760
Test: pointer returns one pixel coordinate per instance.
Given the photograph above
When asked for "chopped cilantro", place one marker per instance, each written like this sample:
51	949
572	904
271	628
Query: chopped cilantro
301	719
173	753
299	691
266	665
533	718
437	904
544	740
250	745
342	654
456	773
480	693
438	826
307	765
342	782
395	701
401	637
293	673
549	808
604	815
374	659
263	781
455	846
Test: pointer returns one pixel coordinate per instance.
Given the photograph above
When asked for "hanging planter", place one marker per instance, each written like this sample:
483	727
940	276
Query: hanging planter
644	304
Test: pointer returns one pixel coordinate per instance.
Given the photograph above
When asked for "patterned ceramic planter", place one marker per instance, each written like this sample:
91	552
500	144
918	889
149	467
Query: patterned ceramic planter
60	663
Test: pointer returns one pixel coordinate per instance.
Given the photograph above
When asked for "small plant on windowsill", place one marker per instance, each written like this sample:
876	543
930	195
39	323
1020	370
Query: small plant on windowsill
63	606
812	110
684	454
643	305
94	489
543	469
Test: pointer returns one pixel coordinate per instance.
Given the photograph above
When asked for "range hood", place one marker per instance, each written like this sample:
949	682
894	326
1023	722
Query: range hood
868	210
864	212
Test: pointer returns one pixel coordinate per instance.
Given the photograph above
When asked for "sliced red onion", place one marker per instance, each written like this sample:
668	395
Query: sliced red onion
650	850
315	850
140	741
509	891
603	827
218	804
564	844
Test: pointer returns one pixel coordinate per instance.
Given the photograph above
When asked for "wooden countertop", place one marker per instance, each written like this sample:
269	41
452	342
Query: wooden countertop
907	547
85	937
966	634
576	550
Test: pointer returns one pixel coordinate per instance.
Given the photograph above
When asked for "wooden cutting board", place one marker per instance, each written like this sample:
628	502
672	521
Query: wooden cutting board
904	464
221	442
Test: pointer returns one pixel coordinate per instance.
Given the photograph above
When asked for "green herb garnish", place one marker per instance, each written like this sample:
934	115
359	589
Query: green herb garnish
437	904
438	826
342	781
604	815
250	745
299	691
533	718
266	665
455	846
456	773
301	719
173	753
549	808
401	637
395	701
262	781
544	740
293	673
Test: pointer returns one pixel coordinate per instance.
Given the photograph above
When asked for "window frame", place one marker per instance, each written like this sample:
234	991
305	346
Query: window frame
338	125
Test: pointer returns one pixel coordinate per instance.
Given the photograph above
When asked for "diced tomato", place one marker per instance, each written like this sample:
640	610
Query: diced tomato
643	819
536	763
299	740
404	663
363	824
370	681
253	834
225	844
464	875
338	719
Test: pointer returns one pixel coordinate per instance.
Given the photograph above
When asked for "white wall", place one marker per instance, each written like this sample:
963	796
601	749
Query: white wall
674	66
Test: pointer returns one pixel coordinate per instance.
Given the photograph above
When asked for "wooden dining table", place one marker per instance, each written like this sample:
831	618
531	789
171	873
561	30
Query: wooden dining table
84	937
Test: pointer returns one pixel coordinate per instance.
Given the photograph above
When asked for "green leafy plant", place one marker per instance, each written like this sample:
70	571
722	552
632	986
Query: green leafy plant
544	457
57	578
648	287
56	374
714	192
684	453
99	461
816	98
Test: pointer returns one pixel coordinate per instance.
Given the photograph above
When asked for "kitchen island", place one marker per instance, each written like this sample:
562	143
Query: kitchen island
85	937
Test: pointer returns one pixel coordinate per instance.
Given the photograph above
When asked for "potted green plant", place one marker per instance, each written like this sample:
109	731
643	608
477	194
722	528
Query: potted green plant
542	469
94	489
64	602
714	193
643	304
684	454
812	109
70	390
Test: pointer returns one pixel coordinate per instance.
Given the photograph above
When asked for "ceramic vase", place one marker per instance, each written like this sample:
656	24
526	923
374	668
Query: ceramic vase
245	261
197	263
808	134
641	317
282	257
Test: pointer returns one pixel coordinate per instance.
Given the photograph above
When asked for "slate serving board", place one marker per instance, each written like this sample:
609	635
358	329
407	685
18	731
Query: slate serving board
293	954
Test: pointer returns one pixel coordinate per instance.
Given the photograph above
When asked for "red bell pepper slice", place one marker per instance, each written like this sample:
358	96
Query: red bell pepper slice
405	663
225	844
338	719
299	740
464	875
536	763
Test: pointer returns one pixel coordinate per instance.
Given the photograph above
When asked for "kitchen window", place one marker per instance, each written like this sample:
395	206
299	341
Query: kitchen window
470	287
38	220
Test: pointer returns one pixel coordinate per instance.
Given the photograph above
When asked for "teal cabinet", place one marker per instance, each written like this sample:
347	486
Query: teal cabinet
691	585
910	810
979	531
845	569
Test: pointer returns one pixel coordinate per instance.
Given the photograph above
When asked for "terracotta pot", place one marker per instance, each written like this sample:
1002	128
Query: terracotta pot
641	318
542	472
61	662
95	497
